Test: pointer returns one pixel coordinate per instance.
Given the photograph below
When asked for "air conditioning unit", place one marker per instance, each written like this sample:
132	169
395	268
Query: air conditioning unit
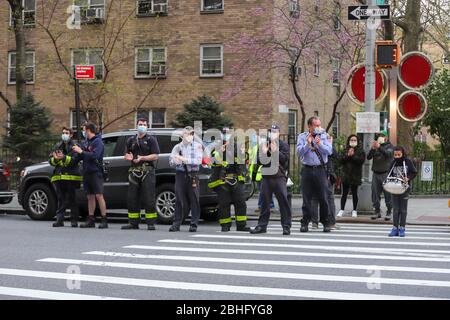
160	8
100	13
95	14
158	70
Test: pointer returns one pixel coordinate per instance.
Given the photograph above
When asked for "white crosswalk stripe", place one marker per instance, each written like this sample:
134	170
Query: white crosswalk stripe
315	265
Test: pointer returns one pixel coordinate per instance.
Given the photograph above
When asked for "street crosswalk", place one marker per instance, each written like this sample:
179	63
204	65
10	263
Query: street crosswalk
358	261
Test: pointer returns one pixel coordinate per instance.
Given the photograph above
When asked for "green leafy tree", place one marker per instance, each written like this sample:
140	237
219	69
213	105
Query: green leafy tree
204	109
29	133
437	117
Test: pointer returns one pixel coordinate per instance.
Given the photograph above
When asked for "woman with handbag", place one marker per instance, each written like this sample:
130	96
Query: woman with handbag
397	183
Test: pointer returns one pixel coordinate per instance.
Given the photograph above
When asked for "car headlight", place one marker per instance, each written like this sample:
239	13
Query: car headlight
23	173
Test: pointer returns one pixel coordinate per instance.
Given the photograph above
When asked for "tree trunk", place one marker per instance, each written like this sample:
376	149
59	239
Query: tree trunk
19	34
299	99
412	33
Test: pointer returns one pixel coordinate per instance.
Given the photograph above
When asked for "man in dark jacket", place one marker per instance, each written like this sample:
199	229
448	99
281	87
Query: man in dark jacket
92	156
382	153
66	178
274	179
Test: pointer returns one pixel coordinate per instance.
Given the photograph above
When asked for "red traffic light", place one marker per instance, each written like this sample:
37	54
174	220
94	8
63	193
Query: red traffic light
412	106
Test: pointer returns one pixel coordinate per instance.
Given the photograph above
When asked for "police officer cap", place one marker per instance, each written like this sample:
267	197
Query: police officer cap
275	127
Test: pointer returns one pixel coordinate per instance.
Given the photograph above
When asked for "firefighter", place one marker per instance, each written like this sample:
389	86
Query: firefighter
66	178
142	150
227	180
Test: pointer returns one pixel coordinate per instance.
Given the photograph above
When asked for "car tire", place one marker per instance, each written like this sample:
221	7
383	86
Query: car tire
40	202
165	203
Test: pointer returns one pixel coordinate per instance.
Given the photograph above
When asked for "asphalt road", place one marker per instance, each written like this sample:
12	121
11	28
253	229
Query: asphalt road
355	262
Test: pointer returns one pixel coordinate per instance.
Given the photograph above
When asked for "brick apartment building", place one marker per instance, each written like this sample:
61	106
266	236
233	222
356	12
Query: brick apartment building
182	46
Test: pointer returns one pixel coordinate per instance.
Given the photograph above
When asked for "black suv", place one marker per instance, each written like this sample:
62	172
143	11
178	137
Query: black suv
37	195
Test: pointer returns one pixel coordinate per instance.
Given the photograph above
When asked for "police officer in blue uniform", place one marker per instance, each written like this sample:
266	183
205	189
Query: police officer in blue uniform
314	149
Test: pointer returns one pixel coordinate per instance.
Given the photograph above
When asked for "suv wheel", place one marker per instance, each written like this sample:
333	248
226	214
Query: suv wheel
40	202
165	203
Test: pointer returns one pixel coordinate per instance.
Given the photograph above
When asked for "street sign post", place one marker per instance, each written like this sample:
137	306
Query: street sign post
382	12
80	73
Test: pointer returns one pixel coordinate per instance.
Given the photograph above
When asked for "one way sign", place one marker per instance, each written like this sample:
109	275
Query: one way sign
365	12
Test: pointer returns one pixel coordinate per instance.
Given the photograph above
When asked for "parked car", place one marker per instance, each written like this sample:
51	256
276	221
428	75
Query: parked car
37	195
6	195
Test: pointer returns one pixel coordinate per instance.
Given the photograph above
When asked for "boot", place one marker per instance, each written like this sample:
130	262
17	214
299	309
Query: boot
132	225
90	223
74	220
104	223
226	227
151	226
59	222
242	228
376	215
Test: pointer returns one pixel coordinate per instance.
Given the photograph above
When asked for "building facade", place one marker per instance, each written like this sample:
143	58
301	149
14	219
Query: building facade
153	56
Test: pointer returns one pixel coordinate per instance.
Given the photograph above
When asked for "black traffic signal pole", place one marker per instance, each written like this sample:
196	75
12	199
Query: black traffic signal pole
77	104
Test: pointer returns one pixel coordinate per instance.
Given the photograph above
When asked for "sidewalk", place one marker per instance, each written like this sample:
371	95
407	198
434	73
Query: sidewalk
426	210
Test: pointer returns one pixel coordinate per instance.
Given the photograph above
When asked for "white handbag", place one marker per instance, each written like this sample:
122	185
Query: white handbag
396	185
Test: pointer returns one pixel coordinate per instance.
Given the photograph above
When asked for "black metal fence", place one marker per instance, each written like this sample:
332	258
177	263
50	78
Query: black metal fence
440	184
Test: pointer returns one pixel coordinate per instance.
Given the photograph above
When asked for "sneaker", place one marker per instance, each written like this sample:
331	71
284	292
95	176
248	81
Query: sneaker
326	229
354	214
340	214
258	230
103	224
286	231
58	223
193	228
388	216
315	225
304	228
174	229
401	232
394	232
376	215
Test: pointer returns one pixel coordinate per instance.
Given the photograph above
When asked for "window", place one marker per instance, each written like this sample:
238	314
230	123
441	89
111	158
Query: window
212	5
110	145
336	77
336	125
91	11
150	62
91	57
151	7
29	67
156	118
294	8
28	13
292	124
89	115
211	56
317	65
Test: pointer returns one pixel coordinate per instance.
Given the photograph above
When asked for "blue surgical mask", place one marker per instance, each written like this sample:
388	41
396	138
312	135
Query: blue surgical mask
318	130
227	137
65	137
142	129
84	134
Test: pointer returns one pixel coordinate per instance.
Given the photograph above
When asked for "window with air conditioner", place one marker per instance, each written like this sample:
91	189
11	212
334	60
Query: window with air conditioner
151	7
28	13
150	62
91	11
336	72
294	8
89	57
29	67
212	5
211	56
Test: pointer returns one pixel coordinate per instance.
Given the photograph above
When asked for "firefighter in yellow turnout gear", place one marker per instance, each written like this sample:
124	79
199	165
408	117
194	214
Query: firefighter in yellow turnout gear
228	181
66	178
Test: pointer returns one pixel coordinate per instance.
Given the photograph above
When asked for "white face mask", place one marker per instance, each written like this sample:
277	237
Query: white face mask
189	138
65	137
353	144
380	140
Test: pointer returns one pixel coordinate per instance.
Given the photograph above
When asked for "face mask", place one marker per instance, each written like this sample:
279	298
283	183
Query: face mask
353	144
227	137
65	137
273	136
189	138
84	134
142	129
380	140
